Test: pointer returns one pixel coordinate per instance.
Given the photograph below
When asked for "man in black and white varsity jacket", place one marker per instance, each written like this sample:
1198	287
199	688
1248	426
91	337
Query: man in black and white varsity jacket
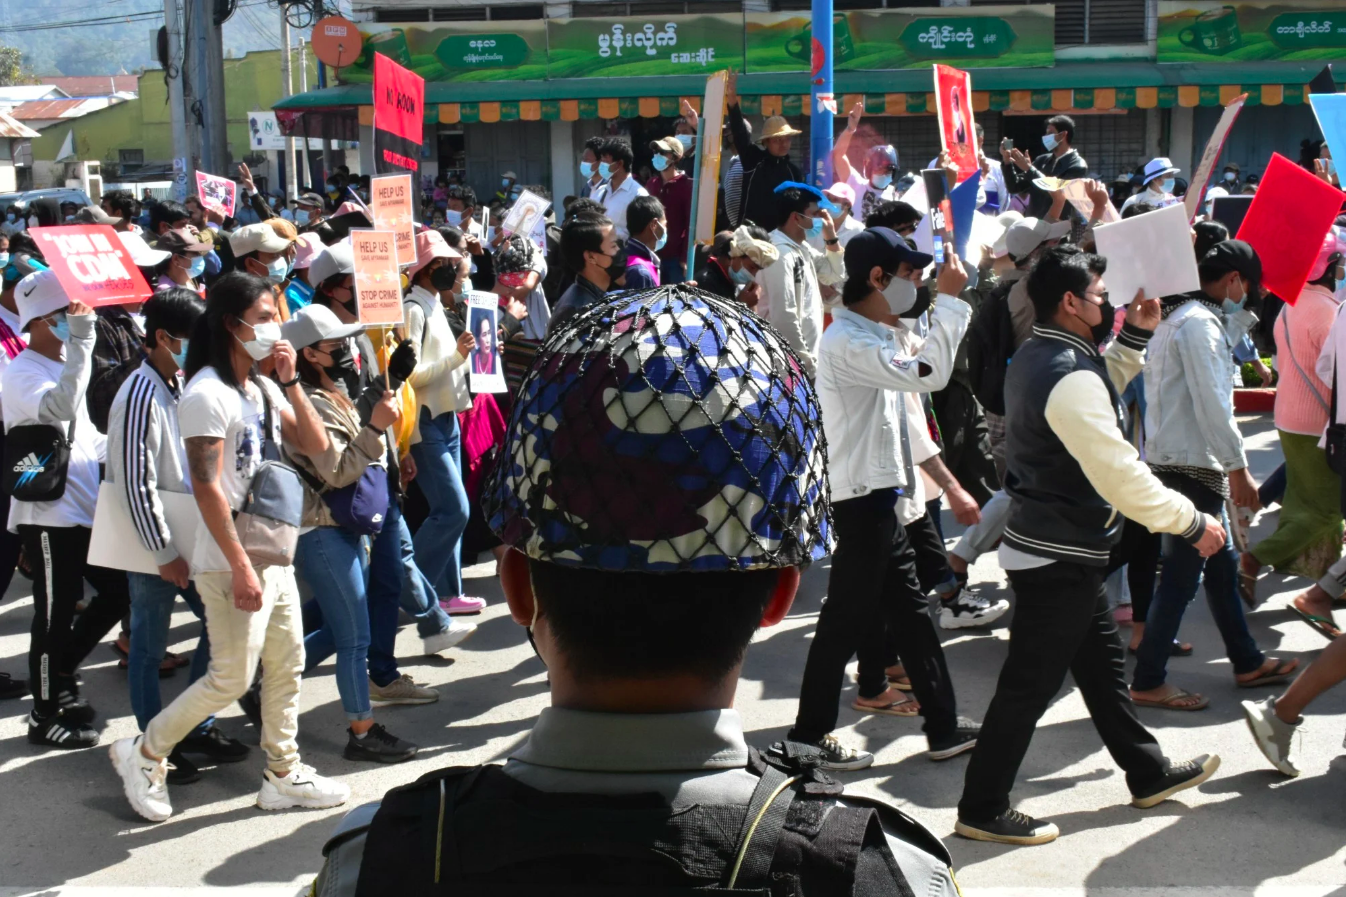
1073	477
146	457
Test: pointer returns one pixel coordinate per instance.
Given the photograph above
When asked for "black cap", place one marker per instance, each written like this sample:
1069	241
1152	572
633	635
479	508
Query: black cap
1234	255
883	247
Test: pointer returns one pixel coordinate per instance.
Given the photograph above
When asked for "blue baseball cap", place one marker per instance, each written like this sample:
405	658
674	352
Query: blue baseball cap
823	202
881	246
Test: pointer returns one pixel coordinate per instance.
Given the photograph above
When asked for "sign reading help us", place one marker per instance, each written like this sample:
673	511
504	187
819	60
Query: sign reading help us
92	264
378	286
390	204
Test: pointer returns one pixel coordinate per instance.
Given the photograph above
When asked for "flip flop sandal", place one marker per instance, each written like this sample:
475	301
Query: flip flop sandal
902	684
893	709
1280	674
1170	702
1324	626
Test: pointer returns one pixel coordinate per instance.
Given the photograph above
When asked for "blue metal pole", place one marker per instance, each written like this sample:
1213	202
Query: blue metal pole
696	183
821	96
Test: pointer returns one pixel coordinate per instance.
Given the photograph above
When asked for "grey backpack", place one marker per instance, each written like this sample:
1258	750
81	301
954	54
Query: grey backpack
268	523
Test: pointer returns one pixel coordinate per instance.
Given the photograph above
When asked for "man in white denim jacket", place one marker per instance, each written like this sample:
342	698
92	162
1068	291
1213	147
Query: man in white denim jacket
1194	446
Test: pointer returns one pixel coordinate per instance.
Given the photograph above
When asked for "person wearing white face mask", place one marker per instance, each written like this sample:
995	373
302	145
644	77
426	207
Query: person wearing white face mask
1061	160
232	420
1158	179
13	223
1230	178
872	185
261	251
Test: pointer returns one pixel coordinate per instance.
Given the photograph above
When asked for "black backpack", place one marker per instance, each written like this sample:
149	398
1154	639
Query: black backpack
478	831
990	345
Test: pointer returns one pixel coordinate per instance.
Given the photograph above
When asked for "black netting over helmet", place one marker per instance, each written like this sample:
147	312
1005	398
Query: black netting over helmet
663	431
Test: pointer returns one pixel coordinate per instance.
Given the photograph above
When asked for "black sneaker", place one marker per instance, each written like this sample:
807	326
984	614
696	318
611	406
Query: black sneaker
379	746
967	608
59	731
961	739
1180	776
11	687
251	704
215	745
181	771
1010	827
75	709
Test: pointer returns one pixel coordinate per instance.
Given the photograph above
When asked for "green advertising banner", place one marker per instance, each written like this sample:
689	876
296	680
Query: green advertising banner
878	39
1251	32
458	51
648	45
651	46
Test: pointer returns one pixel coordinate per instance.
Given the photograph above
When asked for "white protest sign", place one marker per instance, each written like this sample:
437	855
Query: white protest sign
525	214
1151	252
486	368
114	543
1074	191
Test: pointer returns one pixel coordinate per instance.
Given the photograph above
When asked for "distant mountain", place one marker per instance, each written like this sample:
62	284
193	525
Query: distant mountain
114	46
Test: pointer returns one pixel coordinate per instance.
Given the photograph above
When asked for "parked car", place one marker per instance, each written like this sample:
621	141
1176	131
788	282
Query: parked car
47	202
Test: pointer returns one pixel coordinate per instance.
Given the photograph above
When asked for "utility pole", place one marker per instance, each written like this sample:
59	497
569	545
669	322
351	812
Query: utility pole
821	96
205	62
286	89
176	109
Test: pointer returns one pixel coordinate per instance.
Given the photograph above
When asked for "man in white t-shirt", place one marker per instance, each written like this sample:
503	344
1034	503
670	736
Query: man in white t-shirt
45	386
232	420
616	194
873	184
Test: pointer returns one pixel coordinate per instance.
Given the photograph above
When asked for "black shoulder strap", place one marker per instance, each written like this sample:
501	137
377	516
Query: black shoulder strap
761	829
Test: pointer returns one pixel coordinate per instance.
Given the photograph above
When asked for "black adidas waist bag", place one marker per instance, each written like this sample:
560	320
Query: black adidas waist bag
476	832
37	459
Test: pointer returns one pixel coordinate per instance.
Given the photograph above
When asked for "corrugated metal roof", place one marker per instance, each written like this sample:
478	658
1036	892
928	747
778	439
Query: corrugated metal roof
95	85
42	110
9	128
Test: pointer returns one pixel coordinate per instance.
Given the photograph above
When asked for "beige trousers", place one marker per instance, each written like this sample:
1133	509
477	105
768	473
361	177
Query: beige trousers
273	635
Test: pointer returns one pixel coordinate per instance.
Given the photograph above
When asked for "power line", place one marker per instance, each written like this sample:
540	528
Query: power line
126	18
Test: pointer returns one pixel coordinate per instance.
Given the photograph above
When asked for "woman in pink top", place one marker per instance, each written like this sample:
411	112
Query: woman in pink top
1307	539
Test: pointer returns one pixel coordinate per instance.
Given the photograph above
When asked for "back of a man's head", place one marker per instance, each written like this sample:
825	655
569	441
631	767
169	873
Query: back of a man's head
663	465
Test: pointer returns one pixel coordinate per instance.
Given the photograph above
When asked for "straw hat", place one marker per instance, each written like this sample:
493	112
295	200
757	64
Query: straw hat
777	126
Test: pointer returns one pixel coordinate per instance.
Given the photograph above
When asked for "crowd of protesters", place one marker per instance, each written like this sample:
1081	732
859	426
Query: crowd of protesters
1110	443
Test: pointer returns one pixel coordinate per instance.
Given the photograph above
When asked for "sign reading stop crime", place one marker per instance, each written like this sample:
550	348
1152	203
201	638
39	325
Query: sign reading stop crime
92	264
390	203
378	285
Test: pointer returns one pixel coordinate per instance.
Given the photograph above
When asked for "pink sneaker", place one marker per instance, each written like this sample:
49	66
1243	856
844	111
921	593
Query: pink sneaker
462	604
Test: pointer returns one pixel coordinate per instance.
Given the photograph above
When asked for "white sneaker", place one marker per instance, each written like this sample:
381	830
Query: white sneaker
402	690
968	608
302	787
144	780
443	641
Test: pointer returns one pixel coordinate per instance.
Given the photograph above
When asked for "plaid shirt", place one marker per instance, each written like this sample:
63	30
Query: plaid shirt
116	354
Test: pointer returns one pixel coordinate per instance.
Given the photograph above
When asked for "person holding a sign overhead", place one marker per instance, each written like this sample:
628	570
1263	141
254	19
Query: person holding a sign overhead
44	387
440	382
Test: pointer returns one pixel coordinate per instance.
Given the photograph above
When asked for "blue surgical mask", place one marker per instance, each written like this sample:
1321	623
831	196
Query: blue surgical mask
504	182
1168	185
604	170
659	162
4	259
277	270
452	217
880	181
301	217
1229	177
587	169
180	356
197	267
740	276
1233	306
1050	141
60	327
816	230
686	140
662	241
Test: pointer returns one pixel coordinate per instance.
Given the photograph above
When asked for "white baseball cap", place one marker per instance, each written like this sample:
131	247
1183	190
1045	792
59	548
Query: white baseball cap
314	323
142	254
253	237
37	295
339	258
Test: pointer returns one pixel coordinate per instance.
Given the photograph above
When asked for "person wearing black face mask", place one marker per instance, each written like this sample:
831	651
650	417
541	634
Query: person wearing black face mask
1073	478
589	248
330	554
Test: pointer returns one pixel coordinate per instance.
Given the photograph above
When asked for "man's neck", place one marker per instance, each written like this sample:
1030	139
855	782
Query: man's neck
794	232
873	307
596	276
242	363
669	173
164	364
47	346
7	300
1071	324
1060	150
618	178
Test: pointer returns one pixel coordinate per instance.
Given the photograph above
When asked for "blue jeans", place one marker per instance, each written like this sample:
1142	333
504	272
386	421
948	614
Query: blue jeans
418	597
1178	583
439	466
1272	490
331	560
672	270
151	617
386	581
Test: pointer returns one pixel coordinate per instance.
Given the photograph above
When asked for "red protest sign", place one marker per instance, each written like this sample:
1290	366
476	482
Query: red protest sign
92	264
953	105
399	116
1289	215
217	194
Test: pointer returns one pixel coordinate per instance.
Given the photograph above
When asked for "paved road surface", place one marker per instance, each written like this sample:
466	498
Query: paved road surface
64	822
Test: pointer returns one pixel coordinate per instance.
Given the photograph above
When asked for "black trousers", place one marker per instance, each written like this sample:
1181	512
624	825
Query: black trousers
1139	550
873	587
1061	623
932	569
59	557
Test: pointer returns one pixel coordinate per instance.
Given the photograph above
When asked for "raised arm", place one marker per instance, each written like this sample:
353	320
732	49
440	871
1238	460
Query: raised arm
841	166
300	425
61	403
